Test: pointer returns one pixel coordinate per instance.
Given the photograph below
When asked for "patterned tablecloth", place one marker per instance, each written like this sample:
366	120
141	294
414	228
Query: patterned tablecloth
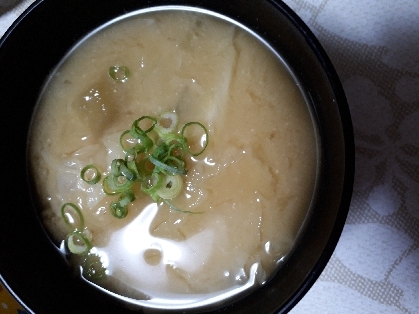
374	45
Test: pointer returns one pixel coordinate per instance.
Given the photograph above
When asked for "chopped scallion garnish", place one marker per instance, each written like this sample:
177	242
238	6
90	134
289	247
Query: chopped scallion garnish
90	174
152	183
93	267
156	164
72	216
77	243
166	123
171	187
119	73
205	144
118	211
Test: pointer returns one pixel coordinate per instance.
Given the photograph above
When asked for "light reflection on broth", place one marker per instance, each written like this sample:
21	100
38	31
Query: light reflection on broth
253	184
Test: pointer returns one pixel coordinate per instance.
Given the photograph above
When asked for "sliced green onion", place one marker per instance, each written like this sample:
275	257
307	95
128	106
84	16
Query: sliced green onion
105	186
176	149
119	183
126	198
171	187
133	152
170	117
119	73
152	184
137	132
127	172
131	155
116	167
206	137
157	169
118	210
77	243
90	174
93	267
119	168
173	138
176	162
161	151
72	216
167	168
132	166
147	142
122	141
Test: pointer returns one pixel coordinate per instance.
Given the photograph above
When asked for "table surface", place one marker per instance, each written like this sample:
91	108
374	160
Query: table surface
374	46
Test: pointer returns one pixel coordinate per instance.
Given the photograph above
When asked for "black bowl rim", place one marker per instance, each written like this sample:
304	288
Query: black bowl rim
348	142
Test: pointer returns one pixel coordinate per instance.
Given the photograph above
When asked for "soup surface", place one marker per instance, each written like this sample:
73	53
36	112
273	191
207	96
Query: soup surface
243	199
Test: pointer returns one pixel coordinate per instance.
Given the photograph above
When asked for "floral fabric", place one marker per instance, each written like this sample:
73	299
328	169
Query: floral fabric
374	46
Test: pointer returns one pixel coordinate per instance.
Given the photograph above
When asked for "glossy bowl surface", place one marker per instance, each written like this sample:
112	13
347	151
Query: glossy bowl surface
30	265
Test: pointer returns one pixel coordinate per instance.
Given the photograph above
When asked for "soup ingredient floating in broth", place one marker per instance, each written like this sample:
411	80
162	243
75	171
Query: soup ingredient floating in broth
156	165
119	73
78	242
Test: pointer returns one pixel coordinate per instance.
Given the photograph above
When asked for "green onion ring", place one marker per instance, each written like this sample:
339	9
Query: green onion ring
126	198
140	148
131	155
176	162
138	130
132	166
164	167
118	211
83	246
116	167
121	141
186	145
152	183
171	187
174	146
105	187
96	174
127	173
138	133
161	151
115	75
65	215
161	130
93	267
117	186
173	137
146	142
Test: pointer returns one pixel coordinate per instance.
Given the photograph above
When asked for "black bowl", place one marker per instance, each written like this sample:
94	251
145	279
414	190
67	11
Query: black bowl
30	264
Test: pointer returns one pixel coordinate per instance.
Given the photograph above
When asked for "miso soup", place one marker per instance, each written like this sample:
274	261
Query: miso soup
241	201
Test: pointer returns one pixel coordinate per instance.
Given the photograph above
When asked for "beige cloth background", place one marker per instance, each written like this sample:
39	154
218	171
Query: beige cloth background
374	45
